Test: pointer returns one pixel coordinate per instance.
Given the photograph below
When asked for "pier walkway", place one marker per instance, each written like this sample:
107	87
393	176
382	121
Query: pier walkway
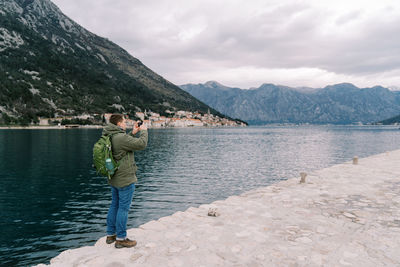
344	215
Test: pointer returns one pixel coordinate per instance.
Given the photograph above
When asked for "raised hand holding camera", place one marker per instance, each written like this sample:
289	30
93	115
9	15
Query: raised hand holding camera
138	126
142	126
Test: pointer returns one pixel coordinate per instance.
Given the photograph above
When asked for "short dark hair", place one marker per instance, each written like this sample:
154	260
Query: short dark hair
115	118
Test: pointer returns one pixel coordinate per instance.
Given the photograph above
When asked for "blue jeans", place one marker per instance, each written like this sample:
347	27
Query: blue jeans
117	217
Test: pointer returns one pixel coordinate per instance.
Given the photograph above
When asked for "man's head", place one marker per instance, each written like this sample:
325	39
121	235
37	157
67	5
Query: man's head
119	120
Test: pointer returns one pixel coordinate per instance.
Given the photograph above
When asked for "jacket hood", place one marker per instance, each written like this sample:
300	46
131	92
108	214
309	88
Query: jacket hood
112	129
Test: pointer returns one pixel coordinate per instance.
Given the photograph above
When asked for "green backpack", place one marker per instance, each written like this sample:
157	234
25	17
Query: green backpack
103	159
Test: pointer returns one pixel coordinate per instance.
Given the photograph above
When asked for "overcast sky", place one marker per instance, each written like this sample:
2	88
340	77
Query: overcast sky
244	43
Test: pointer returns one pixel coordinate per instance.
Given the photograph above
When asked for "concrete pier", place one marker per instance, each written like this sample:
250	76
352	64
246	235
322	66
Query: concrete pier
345	215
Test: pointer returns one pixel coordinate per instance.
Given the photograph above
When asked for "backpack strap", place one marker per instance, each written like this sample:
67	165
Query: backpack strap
111	139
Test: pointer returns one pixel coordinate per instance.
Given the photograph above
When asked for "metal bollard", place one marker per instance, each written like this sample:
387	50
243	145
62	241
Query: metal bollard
303	177
355	160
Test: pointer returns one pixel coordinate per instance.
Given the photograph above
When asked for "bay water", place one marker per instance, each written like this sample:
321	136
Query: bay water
51	198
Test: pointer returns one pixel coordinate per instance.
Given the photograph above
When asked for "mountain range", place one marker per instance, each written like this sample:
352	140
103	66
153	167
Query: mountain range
50	65
337	104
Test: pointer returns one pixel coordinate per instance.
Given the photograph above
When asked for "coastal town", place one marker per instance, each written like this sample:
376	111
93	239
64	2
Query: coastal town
150	119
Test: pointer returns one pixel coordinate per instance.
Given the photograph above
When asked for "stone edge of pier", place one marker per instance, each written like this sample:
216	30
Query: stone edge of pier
345	215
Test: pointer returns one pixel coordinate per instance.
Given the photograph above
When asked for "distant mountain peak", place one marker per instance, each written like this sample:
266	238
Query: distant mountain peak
264	85
345	84
342	86
340	103
214	84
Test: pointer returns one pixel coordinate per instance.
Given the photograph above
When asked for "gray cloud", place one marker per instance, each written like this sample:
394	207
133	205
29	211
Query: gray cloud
186	40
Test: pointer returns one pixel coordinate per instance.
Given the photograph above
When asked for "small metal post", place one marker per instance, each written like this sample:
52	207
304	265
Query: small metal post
355	160
303	177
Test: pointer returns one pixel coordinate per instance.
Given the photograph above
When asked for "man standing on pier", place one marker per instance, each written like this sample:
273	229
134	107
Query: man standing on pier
123	181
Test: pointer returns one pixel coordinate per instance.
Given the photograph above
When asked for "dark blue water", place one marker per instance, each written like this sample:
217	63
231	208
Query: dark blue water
52	200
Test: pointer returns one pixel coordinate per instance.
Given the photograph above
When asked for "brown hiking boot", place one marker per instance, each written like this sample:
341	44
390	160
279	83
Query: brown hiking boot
111	239
126	243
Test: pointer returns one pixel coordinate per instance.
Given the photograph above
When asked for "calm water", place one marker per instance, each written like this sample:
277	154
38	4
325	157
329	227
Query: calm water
52	200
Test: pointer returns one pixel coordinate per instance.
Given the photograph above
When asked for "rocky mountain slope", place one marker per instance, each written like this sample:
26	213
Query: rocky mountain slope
390	121
50	65
339	104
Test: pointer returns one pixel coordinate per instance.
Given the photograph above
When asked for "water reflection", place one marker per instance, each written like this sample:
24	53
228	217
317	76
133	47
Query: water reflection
51	199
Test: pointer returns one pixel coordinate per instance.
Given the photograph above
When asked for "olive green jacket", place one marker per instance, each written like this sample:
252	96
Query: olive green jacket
123	146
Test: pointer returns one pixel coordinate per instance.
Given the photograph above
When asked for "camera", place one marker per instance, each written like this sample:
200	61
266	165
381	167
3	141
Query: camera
139	123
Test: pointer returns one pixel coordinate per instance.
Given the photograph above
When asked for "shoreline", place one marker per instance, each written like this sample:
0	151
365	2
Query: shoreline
102	126
63	127
342	215
49	127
